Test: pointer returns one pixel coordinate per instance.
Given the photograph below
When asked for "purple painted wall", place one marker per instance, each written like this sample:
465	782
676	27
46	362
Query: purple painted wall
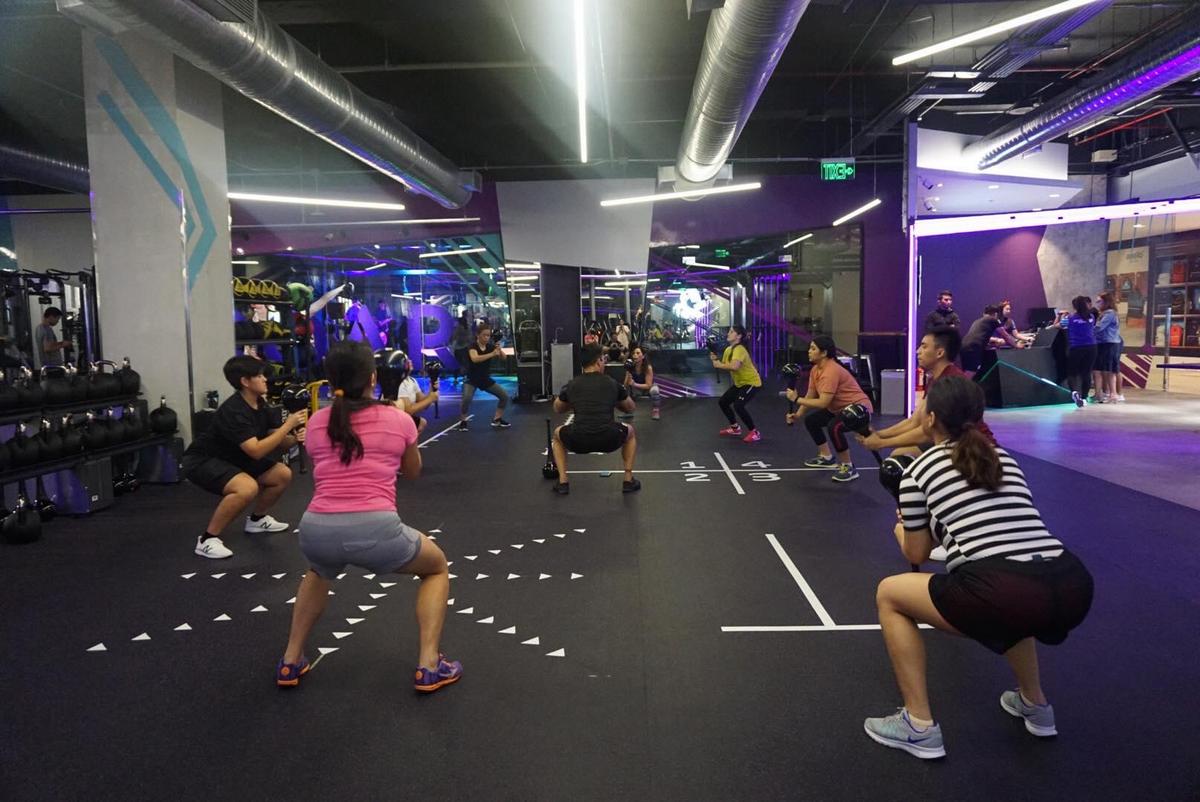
982	269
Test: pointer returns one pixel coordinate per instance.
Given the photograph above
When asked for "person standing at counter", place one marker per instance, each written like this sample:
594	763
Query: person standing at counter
980	336
943	316
1081	348
1108	349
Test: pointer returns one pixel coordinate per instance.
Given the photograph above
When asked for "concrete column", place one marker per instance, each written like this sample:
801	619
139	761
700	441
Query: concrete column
160	217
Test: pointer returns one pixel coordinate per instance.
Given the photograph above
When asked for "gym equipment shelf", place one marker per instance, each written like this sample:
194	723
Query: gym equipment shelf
238	299
16	416
65	463
269	341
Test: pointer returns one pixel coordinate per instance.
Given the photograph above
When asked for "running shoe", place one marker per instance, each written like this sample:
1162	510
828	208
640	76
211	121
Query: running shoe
462	426
212	548
845	473
632	486
264	524
500	423
1119	398
654	414
447	673
562	488
753	437
1076	398
820	462
1039	719
897	732
733	431
287	675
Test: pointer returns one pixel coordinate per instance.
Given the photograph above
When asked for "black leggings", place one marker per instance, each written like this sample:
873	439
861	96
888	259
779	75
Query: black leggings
1080	361
816	422
735	400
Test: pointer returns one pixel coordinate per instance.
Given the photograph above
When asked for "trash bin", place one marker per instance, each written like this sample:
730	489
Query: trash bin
892	387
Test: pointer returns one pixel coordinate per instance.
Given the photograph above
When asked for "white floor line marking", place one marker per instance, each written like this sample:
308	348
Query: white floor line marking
640	471
813	628
733	479
447	430
818	608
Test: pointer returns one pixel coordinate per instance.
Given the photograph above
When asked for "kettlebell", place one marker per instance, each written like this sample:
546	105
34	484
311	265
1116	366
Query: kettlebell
56	385
131	380
132	425
23	450
29	393
5	457
78	383
43	503
164	420
8	396
50	441
112	426
24	524
95	436
103	385
72	438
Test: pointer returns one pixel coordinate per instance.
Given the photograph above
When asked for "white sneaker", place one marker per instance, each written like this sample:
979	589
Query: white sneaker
938	554
264	524
212	548
1120	399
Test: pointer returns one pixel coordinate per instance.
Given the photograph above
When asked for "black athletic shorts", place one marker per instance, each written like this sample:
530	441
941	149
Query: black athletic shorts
594	440
1000	602
213	473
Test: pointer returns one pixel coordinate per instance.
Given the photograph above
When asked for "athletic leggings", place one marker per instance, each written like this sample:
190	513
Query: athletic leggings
818	420
495	388
1080	361
735	400
654	393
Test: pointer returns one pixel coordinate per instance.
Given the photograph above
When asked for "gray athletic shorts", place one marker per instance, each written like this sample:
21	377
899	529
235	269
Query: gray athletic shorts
377	541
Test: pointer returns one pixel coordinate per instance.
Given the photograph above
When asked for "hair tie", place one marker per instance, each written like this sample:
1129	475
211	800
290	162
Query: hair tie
339	393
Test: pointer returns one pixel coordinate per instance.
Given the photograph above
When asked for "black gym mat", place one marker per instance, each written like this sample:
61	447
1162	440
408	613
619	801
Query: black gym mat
651	698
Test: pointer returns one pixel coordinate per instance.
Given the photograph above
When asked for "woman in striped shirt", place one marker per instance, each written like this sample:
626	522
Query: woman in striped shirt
1009	581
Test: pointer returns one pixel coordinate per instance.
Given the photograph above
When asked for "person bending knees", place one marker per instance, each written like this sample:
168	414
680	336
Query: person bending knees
639	381
831	388
1004	590
745	383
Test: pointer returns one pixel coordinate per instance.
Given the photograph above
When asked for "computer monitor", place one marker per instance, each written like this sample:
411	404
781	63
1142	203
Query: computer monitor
1041	316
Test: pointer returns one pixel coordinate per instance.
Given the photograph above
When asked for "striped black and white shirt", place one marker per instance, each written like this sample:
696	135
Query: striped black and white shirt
974	523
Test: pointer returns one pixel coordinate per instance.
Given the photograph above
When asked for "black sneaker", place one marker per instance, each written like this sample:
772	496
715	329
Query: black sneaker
562	488
500	423
632	486
462	426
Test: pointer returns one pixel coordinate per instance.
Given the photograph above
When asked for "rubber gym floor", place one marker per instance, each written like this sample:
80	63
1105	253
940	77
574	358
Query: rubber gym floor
591	629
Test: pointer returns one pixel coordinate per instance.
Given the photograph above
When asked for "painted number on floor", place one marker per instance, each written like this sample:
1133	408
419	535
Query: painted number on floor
692	466
756	464
765	477
695	477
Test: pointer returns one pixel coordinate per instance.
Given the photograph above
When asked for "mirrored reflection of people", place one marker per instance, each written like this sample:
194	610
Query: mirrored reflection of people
51	350
640	381
943	316
479	357
460	341
985	333
383	321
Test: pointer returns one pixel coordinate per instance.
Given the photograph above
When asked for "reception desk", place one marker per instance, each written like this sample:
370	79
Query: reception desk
1026	377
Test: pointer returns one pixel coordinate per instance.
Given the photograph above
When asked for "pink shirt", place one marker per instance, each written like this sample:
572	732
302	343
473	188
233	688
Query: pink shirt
367	484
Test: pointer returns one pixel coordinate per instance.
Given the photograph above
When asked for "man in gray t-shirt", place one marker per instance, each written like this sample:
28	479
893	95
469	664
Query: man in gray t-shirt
50	348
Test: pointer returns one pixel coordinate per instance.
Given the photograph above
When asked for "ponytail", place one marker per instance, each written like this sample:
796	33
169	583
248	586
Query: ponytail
349	367
975	458
957	406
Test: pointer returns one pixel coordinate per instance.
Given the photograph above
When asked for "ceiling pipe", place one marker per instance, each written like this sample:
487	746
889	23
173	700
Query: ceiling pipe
1166	60
45	171
255	57
744	43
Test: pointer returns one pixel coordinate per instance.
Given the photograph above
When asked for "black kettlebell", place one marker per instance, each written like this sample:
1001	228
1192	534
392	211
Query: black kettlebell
113	426
5	457
132	425
103	385
131	380
23	450
79	384
43	503
50	441
72	438
95	435
8	396
56	385
22	525
29	392
164	420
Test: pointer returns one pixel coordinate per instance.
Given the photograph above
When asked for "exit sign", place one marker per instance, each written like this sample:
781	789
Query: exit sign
838	169
721	253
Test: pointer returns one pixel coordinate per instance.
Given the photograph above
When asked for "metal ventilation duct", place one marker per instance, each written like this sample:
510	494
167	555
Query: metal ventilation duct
266	65
744	43
45	171
1167	60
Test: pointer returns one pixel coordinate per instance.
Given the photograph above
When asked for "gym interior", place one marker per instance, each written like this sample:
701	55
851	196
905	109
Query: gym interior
716	203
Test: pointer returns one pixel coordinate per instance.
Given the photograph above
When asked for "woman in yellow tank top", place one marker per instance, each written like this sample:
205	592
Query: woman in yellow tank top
745	380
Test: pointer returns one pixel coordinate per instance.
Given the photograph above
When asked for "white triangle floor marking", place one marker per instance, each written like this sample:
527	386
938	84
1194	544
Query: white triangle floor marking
248	576
223	617
534	641
366	607
559	535
292	600
539	540
143	636
324	650
341	576
278	576
557	653
99	647
472	556
353	621
493	551
491	619
377	595
581	531
431	537
386	584
333	593
518	545
415	577
259	609
509	631
576	576
183	628
436	531
340	635
465	611
449	602
296	531
368	576
449	563
188	576
481	576
217	576
514	576
454	576
543	576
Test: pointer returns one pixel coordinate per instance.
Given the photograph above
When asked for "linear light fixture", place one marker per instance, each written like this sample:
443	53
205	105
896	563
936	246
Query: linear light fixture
298	201
232	261
614	284
797	239
706	264
992	30
581	81
695	193
423	222
375	267
689	247
459	252
522	278
866	207
937	227
13	256
515	290
520	266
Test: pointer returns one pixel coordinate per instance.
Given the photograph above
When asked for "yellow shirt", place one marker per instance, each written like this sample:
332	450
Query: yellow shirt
746	375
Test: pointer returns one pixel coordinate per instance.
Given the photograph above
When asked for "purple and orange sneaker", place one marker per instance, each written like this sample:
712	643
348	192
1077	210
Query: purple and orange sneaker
287	675
447	673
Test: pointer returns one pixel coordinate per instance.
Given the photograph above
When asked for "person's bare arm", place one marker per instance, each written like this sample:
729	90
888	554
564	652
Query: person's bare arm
410	463
822	401
561	406
254	448
915	545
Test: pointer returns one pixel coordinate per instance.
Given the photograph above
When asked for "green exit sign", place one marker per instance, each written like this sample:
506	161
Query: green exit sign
721	253
838	169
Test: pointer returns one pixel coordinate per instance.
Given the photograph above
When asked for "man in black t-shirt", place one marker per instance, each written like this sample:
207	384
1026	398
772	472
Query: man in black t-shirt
479	355
593	396
980	335
233	458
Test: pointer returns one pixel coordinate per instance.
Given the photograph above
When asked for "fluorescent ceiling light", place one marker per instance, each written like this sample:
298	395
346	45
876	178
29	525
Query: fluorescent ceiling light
232	261
992	30
515	290
962	75
289	248
13	256
581	81
1139	225
695	193
705	264
345	204
689	247
488	270
240	251
426	221
797	239
375	267
866	207
993	186
459	252
522	278
628	283
535	295
1141	103
936	227
519	265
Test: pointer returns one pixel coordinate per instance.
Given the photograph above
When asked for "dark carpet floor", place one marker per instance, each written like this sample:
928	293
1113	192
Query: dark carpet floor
650	698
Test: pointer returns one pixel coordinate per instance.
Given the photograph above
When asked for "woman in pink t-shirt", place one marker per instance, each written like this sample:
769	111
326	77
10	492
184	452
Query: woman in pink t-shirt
357	445
831	389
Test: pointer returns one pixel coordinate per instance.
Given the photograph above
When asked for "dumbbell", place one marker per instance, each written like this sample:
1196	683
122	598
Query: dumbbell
433	369
791	371
549	471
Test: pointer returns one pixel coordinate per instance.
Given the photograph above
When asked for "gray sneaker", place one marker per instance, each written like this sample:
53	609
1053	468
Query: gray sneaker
897	732
845	473
1039	719
820	462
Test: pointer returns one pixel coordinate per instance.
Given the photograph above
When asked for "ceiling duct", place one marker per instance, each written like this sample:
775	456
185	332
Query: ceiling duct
1167	60
744	43
266	65
45	171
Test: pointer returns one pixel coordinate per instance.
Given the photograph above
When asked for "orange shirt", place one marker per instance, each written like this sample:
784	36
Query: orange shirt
831	377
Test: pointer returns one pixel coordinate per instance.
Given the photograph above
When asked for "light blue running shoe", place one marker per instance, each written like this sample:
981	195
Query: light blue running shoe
1039	719
898	732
